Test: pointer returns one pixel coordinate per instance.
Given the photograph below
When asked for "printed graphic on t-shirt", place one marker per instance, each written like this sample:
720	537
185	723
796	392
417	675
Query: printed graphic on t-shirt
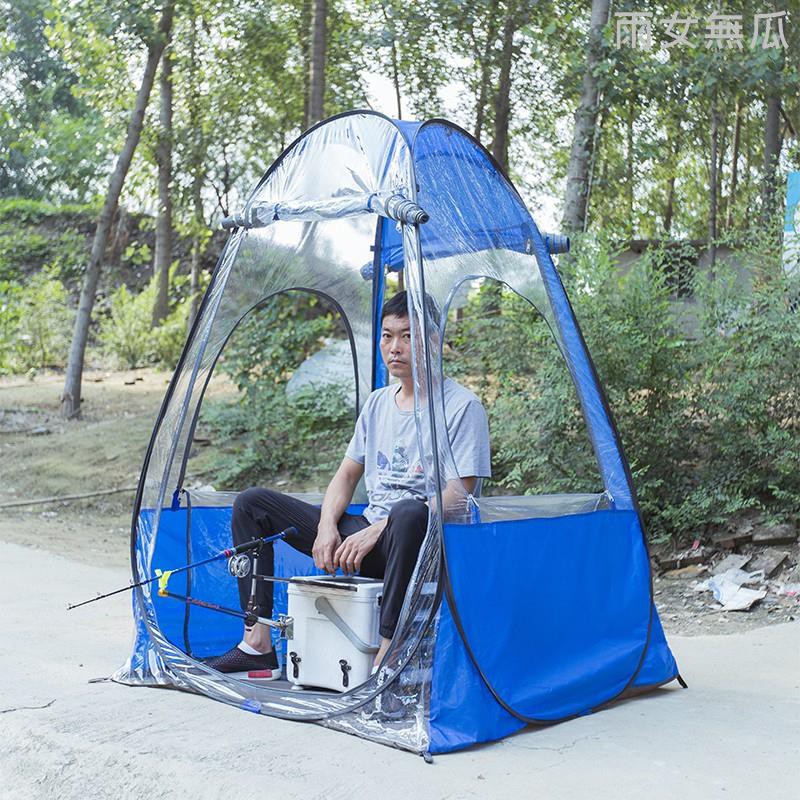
398	473
397	478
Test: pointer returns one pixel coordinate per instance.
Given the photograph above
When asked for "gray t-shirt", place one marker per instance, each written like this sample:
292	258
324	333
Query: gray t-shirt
385	442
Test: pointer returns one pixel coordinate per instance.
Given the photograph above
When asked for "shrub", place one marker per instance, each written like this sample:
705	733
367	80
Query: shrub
748	398
124	334
502	348
38	324
10	311
22	210
709	421
20	250
709	415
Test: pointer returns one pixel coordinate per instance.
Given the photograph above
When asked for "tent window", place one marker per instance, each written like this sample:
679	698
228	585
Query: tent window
499	346
280	406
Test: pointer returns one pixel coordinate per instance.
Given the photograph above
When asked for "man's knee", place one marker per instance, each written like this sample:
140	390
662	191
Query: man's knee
252	498
408	522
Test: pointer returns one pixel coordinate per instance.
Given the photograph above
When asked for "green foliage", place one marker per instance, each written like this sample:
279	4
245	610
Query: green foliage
35	234
748	398
167	340
707	412
10	311
68	255
126	334
269	433
21	248
23	210
503	349
36	324
646	364
137	255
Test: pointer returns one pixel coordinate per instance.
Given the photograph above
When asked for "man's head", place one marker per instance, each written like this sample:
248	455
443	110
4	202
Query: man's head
396	336
396	333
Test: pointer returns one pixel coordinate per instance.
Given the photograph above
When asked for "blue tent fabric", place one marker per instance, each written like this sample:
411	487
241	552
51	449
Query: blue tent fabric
462	709
573	644
659	665
526	620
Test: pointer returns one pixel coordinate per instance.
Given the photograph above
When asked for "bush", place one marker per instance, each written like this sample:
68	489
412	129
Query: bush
10	311
20	250
502	348
709	419
168	339
708	413
124	334
22	210
747	398
36	324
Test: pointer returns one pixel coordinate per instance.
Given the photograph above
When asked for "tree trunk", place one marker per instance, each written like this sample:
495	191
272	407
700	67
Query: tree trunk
737	134
304	38
592	165
71	397
395	68
583	137
629	168
198	175
486	69
748	166
772	151
316	100
669	208
722	146
502	98
713	187
163	254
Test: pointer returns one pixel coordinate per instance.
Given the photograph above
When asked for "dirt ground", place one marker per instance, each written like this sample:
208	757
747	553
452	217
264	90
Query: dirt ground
42	456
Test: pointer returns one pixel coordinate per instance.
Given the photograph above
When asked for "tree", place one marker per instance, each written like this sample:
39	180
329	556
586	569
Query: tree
583	135
485	68
71	397
502	98
49	140
163	254
316	100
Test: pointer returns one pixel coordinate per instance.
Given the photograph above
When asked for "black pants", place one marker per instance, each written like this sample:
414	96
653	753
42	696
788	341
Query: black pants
261	512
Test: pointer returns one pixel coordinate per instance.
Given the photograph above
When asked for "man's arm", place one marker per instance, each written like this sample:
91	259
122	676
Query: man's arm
337	498
454	497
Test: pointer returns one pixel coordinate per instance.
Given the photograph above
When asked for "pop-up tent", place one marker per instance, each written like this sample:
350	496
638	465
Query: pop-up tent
522	610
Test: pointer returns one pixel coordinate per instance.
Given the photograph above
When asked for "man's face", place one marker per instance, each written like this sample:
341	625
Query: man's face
396	346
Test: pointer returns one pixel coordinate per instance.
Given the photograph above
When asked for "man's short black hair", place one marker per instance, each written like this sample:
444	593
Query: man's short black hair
397	306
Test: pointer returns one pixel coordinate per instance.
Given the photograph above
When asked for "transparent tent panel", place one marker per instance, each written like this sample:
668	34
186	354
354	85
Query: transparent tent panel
321	256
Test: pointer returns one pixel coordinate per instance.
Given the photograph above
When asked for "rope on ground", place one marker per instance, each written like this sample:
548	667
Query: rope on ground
63	498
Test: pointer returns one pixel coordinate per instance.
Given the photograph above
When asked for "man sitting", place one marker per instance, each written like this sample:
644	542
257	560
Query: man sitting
384	542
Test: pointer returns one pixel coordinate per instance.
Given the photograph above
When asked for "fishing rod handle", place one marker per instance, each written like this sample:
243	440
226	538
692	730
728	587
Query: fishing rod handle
254	543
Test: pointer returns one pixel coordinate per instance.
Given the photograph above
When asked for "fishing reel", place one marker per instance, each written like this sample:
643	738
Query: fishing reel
240	565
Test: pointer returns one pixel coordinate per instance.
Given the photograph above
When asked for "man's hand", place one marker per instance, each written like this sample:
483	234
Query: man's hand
325	545
354	548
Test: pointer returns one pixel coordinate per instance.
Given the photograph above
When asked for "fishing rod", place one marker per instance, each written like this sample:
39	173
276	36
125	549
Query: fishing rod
163	576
